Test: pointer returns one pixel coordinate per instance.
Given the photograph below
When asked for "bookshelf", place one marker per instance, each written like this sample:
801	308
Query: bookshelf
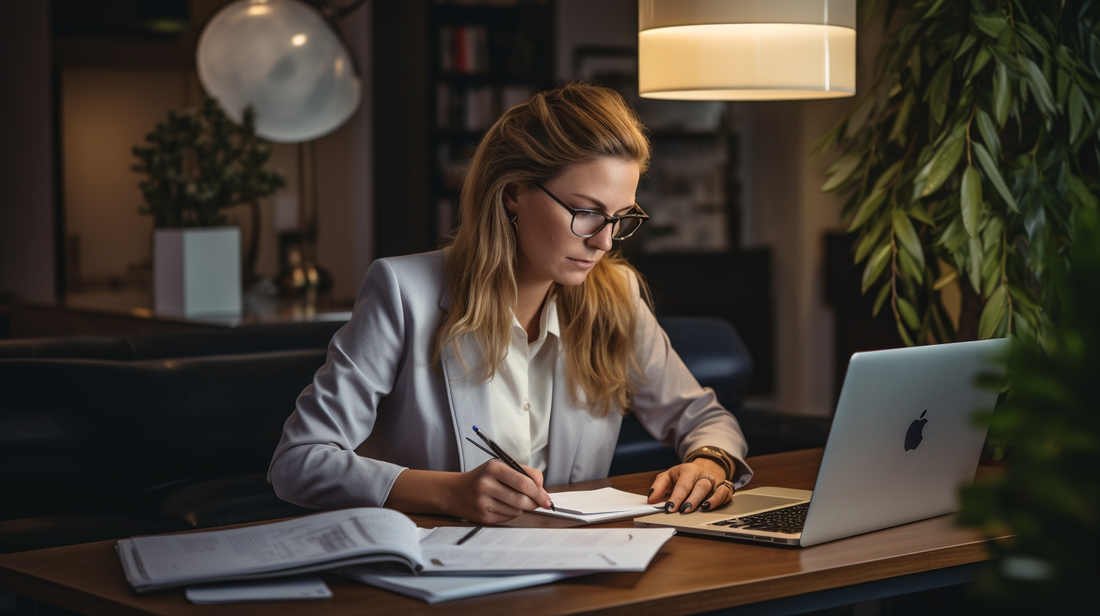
445	70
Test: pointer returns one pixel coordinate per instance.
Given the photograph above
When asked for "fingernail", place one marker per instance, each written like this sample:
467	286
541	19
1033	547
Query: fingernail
705	506
650	492
670	507
685	507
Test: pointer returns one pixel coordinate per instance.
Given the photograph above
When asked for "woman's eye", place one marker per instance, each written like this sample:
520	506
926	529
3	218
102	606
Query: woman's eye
585	223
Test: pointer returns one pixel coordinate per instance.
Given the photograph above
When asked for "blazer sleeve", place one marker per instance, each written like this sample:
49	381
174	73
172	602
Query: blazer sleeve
315	464
671	404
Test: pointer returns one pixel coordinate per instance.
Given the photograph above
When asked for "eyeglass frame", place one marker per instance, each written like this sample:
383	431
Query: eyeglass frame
637	213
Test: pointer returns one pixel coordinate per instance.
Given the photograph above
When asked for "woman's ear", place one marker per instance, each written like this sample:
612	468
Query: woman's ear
511	197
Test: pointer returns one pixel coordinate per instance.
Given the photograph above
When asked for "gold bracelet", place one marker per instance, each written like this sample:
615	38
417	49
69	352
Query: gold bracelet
722	458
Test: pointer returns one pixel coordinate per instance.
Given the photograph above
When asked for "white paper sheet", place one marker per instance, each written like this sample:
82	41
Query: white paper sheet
601	505
297	589
519	550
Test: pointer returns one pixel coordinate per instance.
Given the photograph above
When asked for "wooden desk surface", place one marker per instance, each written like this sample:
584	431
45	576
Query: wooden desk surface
688	575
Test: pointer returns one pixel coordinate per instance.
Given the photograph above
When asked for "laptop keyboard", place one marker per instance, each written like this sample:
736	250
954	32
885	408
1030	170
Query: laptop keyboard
788	520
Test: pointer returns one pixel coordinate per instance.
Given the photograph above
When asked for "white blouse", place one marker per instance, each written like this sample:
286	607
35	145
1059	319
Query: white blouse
521	391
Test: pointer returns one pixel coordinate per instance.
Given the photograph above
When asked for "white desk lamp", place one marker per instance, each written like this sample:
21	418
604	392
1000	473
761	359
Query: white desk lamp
292	65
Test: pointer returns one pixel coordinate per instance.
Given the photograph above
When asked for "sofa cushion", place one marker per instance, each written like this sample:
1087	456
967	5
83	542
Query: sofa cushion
92	436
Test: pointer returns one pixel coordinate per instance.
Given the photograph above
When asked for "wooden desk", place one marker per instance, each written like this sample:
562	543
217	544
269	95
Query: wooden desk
688	576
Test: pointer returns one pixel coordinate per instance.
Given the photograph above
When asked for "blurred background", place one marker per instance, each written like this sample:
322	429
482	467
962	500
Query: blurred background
739	229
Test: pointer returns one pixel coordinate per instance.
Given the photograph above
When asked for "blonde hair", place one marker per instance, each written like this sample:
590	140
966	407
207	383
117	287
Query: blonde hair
534	142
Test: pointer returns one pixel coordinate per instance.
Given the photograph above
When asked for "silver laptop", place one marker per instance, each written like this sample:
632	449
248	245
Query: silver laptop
901	445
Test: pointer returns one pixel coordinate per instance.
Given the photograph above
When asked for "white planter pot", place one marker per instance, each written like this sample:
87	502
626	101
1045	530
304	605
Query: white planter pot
197	272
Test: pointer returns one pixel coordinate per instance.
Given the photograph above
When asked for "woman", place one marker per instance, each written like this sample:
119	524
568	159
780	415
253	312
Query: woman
529	326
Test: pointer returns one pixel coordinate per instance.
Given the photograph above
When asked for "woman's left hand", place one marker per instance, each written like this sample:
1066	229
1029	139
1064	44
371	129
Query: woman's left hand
687	487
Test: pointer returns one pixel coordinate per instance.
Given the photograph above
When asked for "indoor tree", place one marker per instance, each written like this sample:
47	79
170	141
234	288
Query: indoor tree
199	162
975	147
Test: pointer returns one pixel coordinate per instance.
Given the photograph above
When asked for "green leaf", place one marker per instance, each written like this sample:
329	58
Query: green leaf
943	165
919	213
908	313
974	266
991	274
908	236
993	313
867	208
883	293
870	239
991	232
842	170
1002	95
1064	83
938	92
954	237
909	266
875	265
1040	86
980	60
1076	112
989	133
944	280
862	113
901	120
967	43
1034	38
935	8
993	26
971	200
1079	192
887	176
994	175
904	335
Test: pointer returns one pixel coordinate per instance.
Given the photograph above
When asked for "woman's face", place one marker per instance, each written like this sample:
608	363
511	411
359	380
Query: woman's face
548	249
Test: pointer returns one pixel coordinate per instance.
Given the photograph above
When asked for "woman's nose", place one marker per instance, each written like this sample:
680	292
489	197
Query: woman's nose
603	239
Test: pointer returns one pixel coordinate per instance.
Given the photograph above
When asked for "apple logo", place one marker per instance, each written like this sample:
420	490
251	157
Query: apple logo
916	432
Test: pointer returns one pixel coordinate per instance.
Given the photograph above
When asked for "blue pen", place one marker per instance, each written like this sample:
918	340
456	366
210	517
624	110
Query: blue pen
505	458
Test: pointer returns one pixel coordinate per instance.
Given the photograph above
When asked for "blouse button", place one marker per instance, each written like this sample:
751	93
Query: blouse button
527	407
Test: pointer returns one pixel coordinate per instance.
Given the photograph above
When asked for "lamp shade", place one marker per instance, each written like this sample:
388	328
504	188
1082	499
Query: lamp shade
284	59
746	49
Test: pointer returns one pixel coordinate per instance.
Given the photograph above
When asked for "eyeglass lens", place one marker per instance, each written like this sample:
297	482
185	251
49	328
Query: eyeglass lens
589	223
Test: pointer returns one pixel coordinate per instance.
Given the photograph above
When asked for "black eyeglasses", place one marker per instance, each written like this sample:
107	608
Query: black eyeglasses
587	223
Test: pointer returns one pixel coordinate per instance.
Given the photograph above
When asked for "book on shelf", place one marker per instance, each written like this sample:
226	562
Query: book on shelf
388	539
475	108
464	50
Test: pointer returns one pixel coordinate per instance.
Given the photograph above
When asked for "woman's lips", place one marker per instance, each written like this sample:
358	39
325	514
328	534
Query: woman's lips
582	262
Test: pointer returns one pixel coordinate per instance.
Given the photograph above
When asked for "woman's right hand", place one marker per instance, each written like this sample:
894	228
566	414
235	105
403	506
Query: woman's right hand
489	494
493	493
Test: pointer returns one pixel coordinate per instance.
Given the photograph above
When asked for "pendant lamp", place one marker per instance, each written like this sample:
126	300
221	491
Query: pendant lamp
746	49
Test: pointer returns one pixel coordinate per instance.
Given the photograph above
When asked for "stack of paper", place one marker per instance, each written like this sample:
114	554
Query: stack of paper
344	540
601	505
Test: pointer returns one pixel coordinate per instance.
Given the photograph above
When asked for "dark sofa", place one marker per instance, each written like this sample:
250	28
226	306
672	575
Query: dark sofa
103	438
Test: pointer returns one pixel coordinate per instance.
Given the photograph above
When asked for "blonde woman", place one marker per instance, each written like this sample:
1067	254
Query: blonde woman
529	326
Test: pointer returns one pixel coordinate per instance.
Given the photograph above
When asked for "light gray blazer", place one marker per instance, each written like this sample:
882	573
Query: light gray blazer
377	406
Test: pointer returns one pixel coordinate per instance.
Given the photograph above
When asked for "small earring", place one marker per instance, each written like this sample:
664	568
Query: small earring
515	215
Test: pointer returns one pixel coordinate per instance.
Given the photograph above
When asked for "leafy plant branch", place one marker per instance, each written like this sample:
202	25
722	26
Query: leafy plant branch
1026	75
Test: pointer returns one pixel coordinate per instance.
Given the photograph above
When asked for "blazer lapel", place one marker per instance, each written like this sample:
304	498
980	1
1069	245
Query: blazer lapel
469	402
566	429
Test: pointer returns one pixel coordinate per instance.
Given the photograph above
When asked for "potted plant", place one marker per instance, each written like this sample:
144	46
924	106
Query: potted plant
977	144
1049	495
196	164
